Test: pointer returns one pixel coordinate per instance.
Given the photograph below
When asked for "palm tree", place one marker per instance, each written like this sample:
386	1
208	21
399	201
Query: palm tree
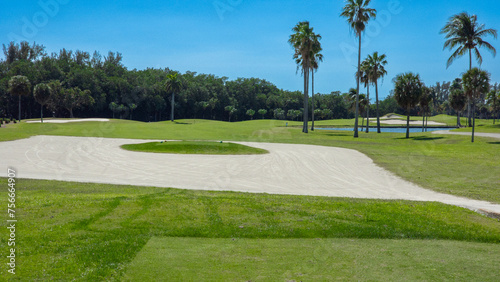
19	85
132	107
425	100
42	95
231	110
458	100
464	33
318	57
358	14
476	82
494	102
173	84
377	64
250	113
306	45
365	77
407	92
114	108
263	113
362	104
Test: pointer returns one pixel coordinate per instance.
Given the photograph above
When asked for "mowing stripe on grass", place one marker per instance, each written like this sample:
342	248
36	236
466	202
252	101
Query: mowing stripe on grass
198	259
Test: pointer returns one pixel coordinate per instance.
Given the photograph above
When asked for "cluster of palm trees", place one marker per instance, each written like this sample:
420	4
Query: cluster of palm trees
372	69
307	56
463	33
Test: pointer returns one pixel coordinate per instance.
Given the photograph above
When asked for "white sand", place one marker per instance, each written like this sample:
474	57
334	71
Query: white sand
288	169
68	120
403	122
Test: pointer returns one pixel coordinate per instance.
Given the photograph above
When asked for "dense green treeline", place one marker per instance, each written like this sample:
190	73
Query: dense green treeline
118	92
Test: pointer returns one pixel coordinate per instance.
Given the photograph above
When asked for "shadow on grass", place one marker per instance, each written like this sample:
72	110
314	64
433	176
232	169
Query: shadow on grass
421	138
337	134
176	122
494	143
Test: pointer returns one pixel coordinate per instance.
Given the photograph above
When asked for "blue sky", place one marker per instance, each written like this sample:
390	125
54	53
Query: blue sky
243	38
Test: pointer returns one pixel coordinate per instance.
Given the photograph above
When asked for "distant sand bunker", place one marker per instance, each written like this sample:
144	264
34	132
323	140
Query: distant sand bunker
69	120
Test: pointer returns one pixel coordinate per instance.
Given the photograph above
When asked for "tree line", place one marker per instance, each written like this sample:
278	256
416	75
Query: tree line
68	84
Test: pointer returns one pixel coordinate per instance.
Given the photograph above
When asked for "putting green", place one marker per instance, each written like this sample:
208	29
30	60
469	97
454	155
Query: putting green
195	147
207	259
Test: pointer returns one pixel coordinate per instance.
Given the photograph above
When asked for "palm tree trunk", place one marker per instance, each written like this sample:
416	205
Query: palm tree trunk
312	98
378	115
426	121
356	134
458	119
71	113
41	113
368	109
306	99
474	118
468	112
19	108
408	124
423	121
172	107
468	98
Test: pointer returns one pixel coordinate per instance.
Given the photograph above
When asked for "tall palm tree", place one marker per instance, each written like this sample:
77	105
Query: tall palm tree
476	82
306	45
464	33
19	85
377	64
173	84
318	57
407	92
358	14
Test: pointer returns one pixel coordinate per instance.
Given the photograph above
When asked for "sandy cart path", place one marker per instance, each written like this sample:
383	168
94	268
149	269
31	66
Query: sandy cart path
477	134
288	169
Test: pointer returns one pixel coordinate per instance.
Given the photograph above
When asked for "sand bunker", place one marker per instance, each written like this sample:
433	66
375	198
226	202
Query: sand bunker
390	121
287	169
68	120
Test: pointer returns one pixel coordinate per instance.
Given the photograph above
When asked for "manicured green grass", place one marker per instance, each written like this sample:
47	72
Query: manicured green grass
444	163
74	231
198	259
193	147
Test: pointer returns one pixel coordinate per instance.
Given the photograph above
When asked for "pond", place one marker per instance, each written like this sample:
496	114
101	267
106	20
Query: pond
390	129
